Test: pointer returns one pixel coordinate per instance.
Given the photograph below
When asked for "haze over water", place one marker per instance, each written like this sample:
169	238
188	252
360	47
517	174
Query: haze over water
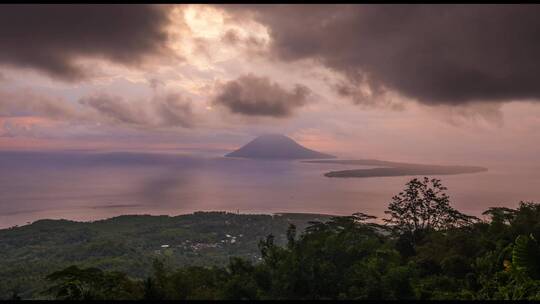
89	186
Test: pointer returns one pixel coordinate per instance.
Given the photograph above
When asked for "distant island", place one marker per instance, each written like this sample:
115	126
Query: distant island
389	168
276	146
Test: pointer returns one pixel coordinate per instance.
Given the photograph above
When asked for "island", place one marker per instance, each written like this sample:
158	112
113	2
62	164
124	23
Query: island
276	146
389	168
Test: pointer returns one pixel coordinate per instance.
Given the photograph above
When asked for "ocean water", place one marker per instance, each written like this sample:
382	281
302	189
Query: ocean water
90	186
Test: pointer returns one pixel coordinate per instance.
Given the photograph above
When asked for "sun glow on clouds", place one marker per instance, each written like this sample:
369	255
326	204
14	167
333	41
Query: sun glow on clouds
209	27
204	21
26	126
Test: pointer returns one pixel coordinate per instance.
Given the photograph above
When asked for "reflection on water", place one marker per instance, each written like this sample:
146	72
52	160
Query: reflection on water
85	186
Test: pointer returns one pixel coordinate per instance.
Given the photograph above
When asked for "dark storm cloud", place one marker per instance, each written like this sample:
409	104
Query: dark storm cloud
258	96
51	38
438	54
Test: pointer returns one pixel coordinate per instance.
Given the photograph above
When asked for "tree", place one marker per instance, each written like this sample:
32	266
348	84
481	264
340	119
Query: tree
74	283
502	215
339	223
151	291
291	236
15	296
525	256
421	207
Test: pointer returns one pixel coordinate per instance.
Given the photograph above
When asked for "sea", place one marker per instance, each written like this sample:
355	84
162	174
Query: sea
88	186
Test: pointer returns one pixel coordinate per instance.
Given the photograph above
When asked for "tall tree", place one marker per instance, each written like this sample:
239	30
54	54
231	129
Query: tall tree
423	206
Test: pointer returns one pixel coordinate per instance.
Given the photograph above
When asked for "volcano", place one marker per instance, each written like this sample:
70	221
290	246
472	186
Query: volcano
276	146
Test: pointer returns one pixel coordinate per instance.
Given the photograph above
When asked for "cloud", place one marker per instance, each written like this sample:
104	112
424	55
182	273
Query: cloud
258	96
21	104
155	83
160	111
170	110
52	38
234	38
174	110
116	108
363	95
26	126
477	114
436	54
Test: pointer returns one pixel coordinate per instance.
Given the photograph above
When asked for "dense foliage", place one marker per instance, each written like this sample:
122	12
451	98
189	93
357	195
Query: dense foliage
130	243
425	250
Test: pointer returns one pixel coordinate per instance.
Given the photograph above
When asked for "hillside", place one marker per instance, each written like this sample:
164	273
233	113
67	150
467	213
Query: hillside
129	243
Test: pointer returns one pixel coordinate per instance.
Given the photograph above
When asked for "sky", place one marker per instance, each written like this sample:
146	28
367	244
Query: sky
430	83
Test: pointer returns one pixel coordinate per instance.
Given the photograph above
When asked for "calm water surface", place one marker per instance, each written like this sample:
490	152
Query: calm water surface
89	186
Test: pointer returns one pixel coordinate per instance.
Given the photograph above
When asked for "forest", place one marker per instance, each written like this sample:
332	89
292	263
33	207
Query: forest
422	249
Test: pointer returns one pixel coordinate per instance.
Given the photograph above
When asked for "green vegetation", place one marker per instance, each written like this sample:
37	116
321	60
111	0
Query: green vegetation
130	243
424	250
